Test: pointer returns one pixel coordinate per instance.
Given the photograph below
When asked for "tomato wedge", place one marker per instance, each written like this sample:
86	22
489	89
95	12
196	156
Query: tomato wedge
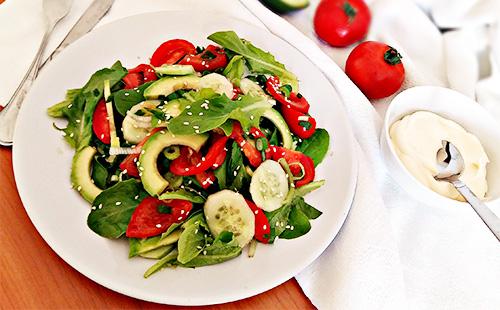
100	122
192	163
213	57
139	75
294	100
262	227
294	158
129	164
171	52
153	216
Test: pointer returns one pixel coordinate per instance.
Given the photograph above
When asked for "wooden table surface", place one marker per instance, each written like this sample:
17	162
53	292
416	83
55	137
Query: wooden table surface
33	276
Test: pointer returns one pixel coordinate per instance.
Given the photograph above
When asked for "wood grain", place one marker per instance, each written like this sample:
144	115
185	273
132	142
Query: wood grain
33	276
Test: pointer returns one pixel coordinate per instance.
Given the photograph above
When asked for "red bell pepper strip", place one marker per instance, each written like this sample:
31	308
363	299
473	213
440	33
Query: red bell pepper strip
153	216
262	227
100	122
171	52
236	92
251	153
294	101
206	179
192	163
139	75
212	58
129	164
301	124
294	158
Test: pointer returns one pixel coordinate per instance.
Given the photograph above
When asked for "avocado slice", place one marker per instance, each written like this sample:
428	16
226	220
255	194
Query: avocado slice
153	181
168	85
175	70
81	179
278	121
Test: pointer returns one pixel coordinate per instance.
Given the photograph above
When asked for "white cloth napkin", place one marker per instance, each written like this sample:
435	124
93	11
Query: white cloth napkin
390	246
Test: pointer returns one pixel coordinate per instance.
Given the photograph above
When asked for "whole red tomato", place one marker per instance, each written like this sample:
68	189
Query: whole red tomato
376	68
342	22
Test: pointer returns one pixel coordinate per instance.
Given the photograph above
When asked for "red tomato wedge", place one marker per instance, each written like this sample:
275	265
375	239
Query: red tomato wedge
153	216
213	57
262	227
171	52
293	158
192	163
100	122
129	164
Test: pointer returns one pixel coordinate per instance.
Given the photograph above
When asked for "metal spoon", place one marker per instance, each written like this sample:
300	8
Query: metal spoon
451	165
54	11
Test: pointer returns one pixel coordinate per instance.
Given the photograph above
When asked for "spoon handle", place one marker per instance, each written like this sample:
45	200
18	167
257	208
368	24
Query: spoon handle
488	217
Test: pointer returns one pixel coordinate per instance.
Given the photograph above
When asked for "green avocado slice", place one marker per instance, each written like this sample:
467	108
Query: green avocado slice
81	178
168	85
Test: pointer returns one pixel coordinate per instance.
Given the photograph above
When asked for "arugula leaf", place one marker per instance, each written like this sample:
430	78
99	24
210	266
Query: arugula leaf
79	112
125	99
258	60
99	174
278	219
110	220
224	248
298	225
235	69
57	110
182	194
316	146
206	114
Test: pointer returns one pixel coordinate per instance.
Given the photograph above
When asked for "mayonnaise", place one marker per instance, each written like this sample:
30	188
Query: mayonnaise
418	137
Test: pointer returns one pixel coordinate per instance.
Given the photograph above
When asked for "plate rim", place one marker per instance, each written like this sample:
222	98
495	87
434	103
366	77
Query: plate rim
114	286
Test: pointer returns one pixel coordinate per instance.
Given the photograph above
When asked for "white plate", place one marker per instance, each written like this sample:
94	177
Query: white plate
42	163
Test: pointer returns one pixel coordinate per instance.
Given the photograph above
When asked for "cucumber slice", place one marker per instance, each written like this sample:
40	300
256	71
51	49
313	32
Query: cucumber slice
135	128
269	186
278	121
283	6
228	211
219	83
175	70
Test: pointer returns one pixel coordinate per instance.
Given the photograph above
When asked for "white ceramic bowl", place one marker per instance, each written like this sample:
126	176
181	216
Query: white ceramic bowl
451	105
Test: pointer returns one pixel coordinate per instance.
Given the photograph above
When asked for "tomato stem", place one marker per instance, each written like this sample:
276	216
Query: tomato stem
349	10
392	56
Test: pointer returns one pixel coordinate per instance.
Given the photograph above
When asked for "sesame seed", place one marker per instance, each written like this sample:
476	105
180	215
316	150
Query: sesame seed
264	227
188	107
118	203
182	211
102	136
78	121
200	114
136	197
143	151
197	131
185	123
93	208
70	105
158	225
189	113
179	218
256	212
196	127
79	188
205	252
235	173
71	135
215	165
186	169
199	247
126	94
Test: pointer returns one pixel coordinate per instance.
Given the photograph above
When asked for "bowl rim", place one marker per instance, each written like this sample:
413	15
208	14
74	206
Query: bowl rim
385	135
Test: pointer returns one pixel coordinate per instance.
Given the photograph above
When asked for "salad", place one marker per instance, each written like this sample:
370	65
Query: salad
198	154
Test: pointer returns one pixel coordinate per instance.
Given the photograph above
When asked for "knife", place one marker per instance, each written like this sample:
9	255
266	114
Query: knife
94	13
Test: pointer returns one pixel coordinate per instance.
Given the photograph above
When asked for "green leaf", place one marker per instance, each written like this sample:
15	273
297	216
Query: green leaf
274	140
306	189
221	174
308	210
278	220
57	110
184	195
237	175
316	146
298	225
99	174
235	69
257	60
125	99
224	248
191	243
209	113
227	127
162	263
79	112
112	209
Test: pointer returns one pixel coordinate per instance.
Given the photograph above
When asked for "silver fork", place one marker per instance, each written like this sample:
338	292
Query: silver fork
450	167
54	11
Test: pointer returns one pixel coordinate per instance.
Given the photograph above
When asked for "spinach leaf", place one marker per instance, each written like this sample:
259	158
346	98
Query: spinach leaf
221	173
183	194
79	112
224	247
191	243
258	60
298	224
113	208
57	110
308	210
126	98
99	174
274	138
162	263
206	114
236	172
316	146
278	219
139	246
235	69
